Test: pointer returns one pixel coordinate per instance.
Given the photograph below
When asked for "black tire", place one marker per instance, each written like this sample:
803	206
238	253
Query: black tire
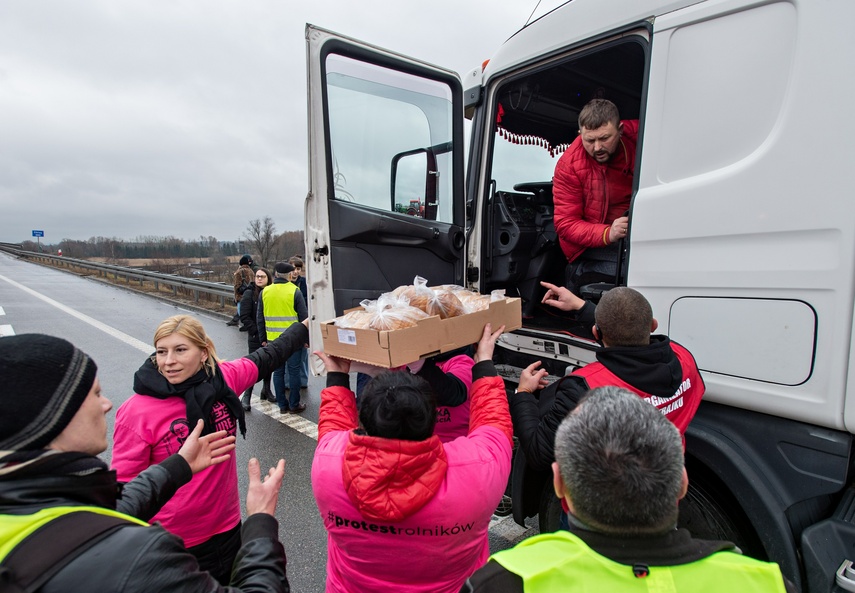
549	511
709	513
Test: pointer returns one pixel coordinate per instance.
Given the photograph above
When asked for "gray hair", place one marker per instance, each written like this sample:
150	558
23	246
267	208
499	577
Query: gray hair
621	462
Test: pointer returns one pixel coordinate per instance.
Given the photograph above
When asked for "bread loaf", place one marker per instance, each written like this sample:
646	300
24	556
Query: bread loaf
397	317
444	304
472	301
356	319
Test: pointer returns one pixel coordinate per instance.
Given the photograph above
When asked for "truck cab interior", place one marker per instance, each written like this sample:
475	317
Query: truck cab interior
535	120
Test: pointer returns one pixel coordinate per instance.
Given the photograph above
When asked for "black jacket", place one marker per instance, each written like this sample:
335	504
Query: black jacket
671	549
652	369
248	312
135	558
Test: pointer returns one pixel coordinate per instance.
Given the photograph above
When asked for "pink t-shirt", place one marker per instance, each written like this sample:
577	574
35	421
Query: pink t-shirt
148	430
453	422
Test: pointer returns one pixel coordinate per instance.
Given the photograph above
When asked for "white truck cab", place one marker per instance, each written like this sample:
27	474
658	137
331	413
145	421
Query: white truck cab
742	226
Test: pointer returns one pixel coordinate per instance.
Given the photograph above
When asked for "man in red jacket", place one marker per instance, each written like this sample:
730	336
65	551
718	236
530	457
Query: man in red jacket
592	187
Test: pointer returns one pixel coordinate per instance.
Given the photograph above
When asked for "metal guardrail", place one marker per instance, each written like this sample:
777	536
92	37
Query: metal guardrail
196	287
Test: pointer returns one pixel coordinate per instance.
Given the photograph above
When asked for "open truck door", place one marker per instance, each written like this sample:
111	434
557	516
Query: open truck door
385	198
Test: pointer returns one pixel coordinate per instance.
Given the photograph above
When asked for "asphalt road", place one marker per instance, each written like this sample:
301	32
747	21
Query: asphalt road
115	327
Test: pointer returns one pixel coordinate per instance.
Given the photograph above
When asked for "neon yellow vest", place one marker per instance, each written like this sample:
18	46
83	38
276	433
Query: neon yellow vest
15	528
563	562
279	311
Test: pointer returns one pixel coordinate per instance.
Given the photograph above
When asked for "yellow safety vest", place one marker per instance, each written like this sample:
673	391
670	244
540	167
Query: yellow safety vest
279	312
15	528
563	562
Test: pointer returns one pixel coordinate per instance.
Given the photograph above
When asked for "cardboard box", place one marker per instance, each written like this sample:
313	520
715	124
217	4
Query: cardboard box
429	337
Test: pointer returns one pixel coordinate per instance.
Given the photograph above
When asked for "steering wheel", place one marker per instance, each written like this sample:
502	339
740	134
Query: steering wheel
541	189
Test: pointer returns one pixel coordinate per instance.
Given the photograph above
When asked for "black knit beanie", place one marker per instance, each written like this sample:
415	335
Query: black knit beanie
43	382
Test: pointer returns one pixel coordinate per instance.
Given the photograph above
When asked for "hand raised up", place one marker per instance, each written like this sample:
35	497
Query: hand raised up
263	492
333	364
487	343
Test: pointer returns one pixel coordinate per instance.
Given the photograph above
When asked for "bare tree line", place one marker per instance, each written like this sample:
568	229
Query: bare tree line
267	247
259	239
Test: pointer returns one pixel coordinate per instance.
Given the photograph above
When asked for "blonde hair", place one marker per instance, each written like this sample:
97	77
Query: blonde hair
190	328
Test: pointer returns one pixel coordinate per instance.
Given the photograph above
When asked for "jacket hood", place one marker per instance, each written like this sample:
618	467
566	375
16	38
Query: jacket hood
390	479
654	369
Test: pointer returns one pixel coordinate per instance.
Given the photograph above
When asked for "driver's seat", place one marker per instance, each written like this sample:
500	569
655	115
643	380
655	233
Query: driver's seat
593	291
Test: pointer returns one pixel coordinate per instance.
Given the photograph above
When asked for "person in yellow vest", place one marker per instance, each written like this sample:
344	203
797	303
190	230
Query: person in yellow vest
281	305
66	524
619	473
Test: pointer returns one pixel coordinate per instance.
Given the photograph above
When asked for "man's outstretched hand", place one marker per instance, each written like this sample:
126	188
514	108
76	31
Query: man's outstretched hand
201	452
263	492
561	298
533	378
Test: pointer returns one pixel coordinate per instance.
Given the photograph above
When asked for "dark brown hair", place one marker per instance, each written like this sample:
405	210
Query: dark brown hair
598	113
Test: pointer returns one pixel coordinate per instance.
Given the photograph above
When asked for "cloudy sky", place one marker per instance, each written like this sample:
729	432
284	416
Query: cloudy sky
123	118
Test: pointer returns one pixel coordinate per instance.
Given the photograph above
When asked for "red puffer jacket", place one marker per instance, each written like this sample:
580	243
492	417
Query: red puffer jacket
589	196
410	516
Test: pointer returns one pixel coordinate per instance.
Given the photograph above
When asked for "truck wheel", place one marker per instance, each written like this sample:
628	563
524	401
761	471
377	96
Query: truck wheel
709	514
549	511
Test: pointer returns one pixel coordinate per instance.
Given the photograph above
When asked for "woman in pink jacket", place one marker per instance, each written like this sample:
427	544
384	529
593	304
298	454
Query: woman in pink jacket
181	383
405	512
451	381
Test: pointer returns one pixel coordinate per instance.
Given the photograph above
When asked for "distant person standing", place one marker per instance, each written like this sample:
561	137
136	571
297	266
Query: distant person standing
299	279
281	305
243	278
248	314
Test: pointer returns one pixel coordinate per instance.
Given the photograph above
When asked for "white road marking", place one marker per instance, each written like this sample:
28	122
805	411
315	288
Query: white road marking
2	312
6	330
295	421
111	331
306	427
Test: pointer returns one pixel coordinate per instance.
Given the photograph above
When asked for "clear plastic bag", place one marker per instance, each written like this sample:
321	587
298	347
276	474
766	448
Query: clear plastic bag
394	312
356	319
444	303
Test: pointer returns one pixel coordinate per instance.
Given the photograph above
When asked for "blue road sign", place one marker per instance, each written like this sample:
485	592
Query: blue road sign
38	233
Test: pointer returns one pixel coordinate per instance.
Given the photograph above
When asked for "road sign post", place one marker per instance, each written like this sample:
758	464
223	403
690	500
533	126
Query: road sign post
38	235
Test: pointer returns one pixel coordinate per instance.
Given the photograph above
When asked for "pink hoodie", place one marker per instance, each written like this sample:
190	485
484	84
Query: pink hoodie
408	516
148	430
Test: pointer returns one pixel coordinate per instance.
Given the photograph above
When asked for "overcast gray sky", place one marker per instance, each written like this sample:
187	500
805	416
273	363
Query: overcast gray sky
188	117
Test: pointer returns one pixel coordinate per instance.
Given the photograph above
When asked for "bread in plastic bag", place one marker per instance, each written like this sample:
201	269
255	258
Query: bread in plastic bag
445	304
393	312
